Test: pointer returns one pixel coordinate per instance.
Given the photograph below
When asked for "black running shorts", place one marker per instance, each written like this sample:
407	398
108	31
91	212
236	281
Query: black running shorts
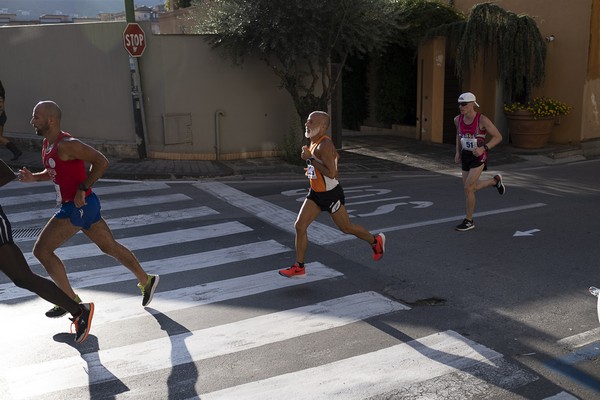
5	229
330	200
469	161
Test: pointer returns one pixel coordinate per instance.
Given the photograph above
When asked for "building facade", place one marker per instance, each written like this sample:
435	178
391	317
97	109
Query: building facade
572	72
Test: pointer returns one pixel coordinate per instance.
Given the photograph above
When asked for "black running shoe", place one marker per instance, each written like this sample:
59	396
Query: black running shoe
466	225
148	289
83	322
57	311
499	185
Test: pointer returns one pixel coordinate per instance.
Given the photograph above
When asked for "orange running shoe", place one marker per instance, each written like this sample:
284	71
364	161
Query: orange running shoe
295	271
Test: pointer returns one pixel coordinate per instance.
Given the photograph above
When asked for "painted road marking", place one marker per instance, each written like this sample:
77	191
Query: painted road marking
584	346
153	355
45	214
459	217
319	233
581	339
370	374
526	233
50	196
271	213
172	265
353	203
562	396
158	217
47	375
207	293
566	366
117	310
150	241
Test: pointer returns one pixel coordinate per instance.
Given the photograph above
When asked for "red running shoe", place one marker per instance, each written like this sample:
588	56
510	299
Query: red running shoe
295	271
379	246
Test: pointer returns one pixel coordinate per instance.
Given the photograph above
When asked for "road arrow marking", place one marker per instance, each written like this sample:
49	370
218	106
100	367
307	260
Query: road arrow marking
526	233
422	204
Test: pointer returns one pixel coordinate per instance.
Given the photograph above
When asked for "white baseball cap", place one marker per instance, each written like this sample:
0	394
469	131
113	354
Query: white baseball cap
467	98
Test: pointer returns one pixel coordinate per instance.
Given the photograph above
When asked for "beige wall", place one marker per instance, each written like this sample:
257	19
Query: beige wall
181	75
591	94
85	69
567	61
430	102
80	66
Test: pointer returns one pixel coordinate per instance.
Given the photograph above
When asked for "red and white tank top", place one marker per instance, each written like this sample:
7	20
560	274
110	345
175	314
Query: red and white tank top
470	135
66	175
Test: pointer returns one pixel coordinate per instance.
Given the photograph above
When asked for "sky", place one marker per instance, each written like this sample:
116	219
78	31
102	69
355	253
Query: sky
81	8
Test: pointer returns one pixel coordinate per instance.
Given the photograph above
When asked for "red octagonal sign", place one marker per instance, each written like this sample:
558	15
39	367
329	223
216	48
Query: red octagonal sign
134	40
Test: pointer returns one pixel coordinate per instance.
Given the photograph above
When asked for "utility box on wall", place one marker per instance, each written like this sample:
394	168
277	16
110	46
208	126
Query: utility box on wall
177	128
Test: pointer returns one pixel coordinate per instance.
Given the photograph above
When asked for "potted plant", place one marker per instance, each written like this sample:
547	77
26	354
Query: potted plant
531	122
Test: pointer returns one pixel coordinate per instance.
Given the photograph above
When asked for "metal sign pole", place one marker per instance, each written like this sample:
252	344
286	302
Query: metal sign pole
136	90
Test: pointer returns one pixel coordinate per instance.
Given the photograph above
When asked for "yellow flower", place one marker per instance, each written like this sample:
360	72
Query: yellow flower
540	107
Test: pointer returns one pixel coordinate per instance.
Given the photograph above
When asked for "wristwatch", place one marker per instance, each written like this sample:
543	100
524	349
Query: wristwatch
82	187
486	147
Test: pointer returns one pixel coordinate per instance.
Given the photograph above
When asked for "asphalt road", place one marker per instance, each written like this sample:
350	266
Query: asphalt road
499	312
517	283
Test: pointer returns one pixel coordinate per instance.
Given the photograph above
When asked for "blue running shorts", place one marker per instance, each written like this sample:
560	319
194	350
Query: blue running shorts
82	217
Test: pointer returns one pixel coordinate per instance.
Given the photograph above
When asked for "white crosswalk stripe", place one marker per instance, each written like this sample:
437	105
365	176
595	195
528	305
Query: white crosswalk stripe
158	217
282	218
45	214
135	359
151	241
50	196
238	275
103	276
124	308
367	375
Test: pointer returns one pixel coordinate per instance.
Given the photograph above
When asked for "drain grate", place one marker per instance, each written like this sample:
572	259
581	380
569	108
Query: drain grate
26	233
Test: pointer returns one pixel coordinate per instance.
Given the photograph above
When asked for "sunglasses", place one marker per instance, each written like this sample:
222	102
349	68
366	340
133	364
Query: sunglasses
463	103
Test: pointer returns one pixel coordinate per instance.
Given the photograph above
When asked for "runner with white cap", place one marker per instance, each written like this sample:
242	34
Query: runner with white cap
472	147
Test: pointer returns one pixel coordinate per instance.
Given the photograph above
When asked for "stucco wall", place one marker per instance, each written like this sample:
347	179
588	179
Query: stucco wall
591	95
80	66
85	69
181	74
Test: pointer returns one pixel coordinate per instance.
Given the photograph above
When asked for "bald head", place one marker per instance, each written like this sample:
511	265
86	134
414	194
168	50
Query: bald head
316	124
322	118
49	109
46	119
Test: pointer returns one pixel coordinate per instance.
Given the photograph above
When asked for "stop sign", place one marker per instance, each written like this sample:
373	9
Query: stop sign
134	39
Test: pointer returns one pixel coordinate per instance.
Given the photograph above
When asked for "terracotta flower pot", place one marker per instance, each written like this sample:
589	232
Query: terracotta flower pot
527	132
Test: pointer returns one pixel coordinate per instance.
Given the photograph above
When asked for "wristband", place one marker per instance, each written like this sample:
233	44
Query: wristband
485	146
82	187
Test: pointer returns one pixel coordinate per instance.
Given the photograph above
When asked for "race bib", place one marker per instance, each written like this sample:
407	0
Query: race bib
58	196
468	143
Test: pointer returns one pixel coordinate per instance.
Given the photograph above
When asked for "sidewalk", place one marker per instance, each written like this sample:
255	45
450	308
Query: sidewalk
360	154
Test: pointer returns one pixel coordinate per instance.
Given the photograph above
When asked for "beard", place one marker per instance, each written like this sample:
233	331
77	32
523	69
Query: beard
309	133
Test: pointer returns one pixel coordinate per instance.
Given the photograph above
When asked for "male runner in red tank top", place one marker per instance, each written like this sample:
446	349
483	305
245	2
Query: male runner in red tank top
472	152
325	194
64	158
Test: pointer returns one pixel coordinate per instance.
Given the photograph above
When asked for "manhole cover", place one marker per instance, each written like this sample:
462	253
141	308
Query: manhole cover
26	233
